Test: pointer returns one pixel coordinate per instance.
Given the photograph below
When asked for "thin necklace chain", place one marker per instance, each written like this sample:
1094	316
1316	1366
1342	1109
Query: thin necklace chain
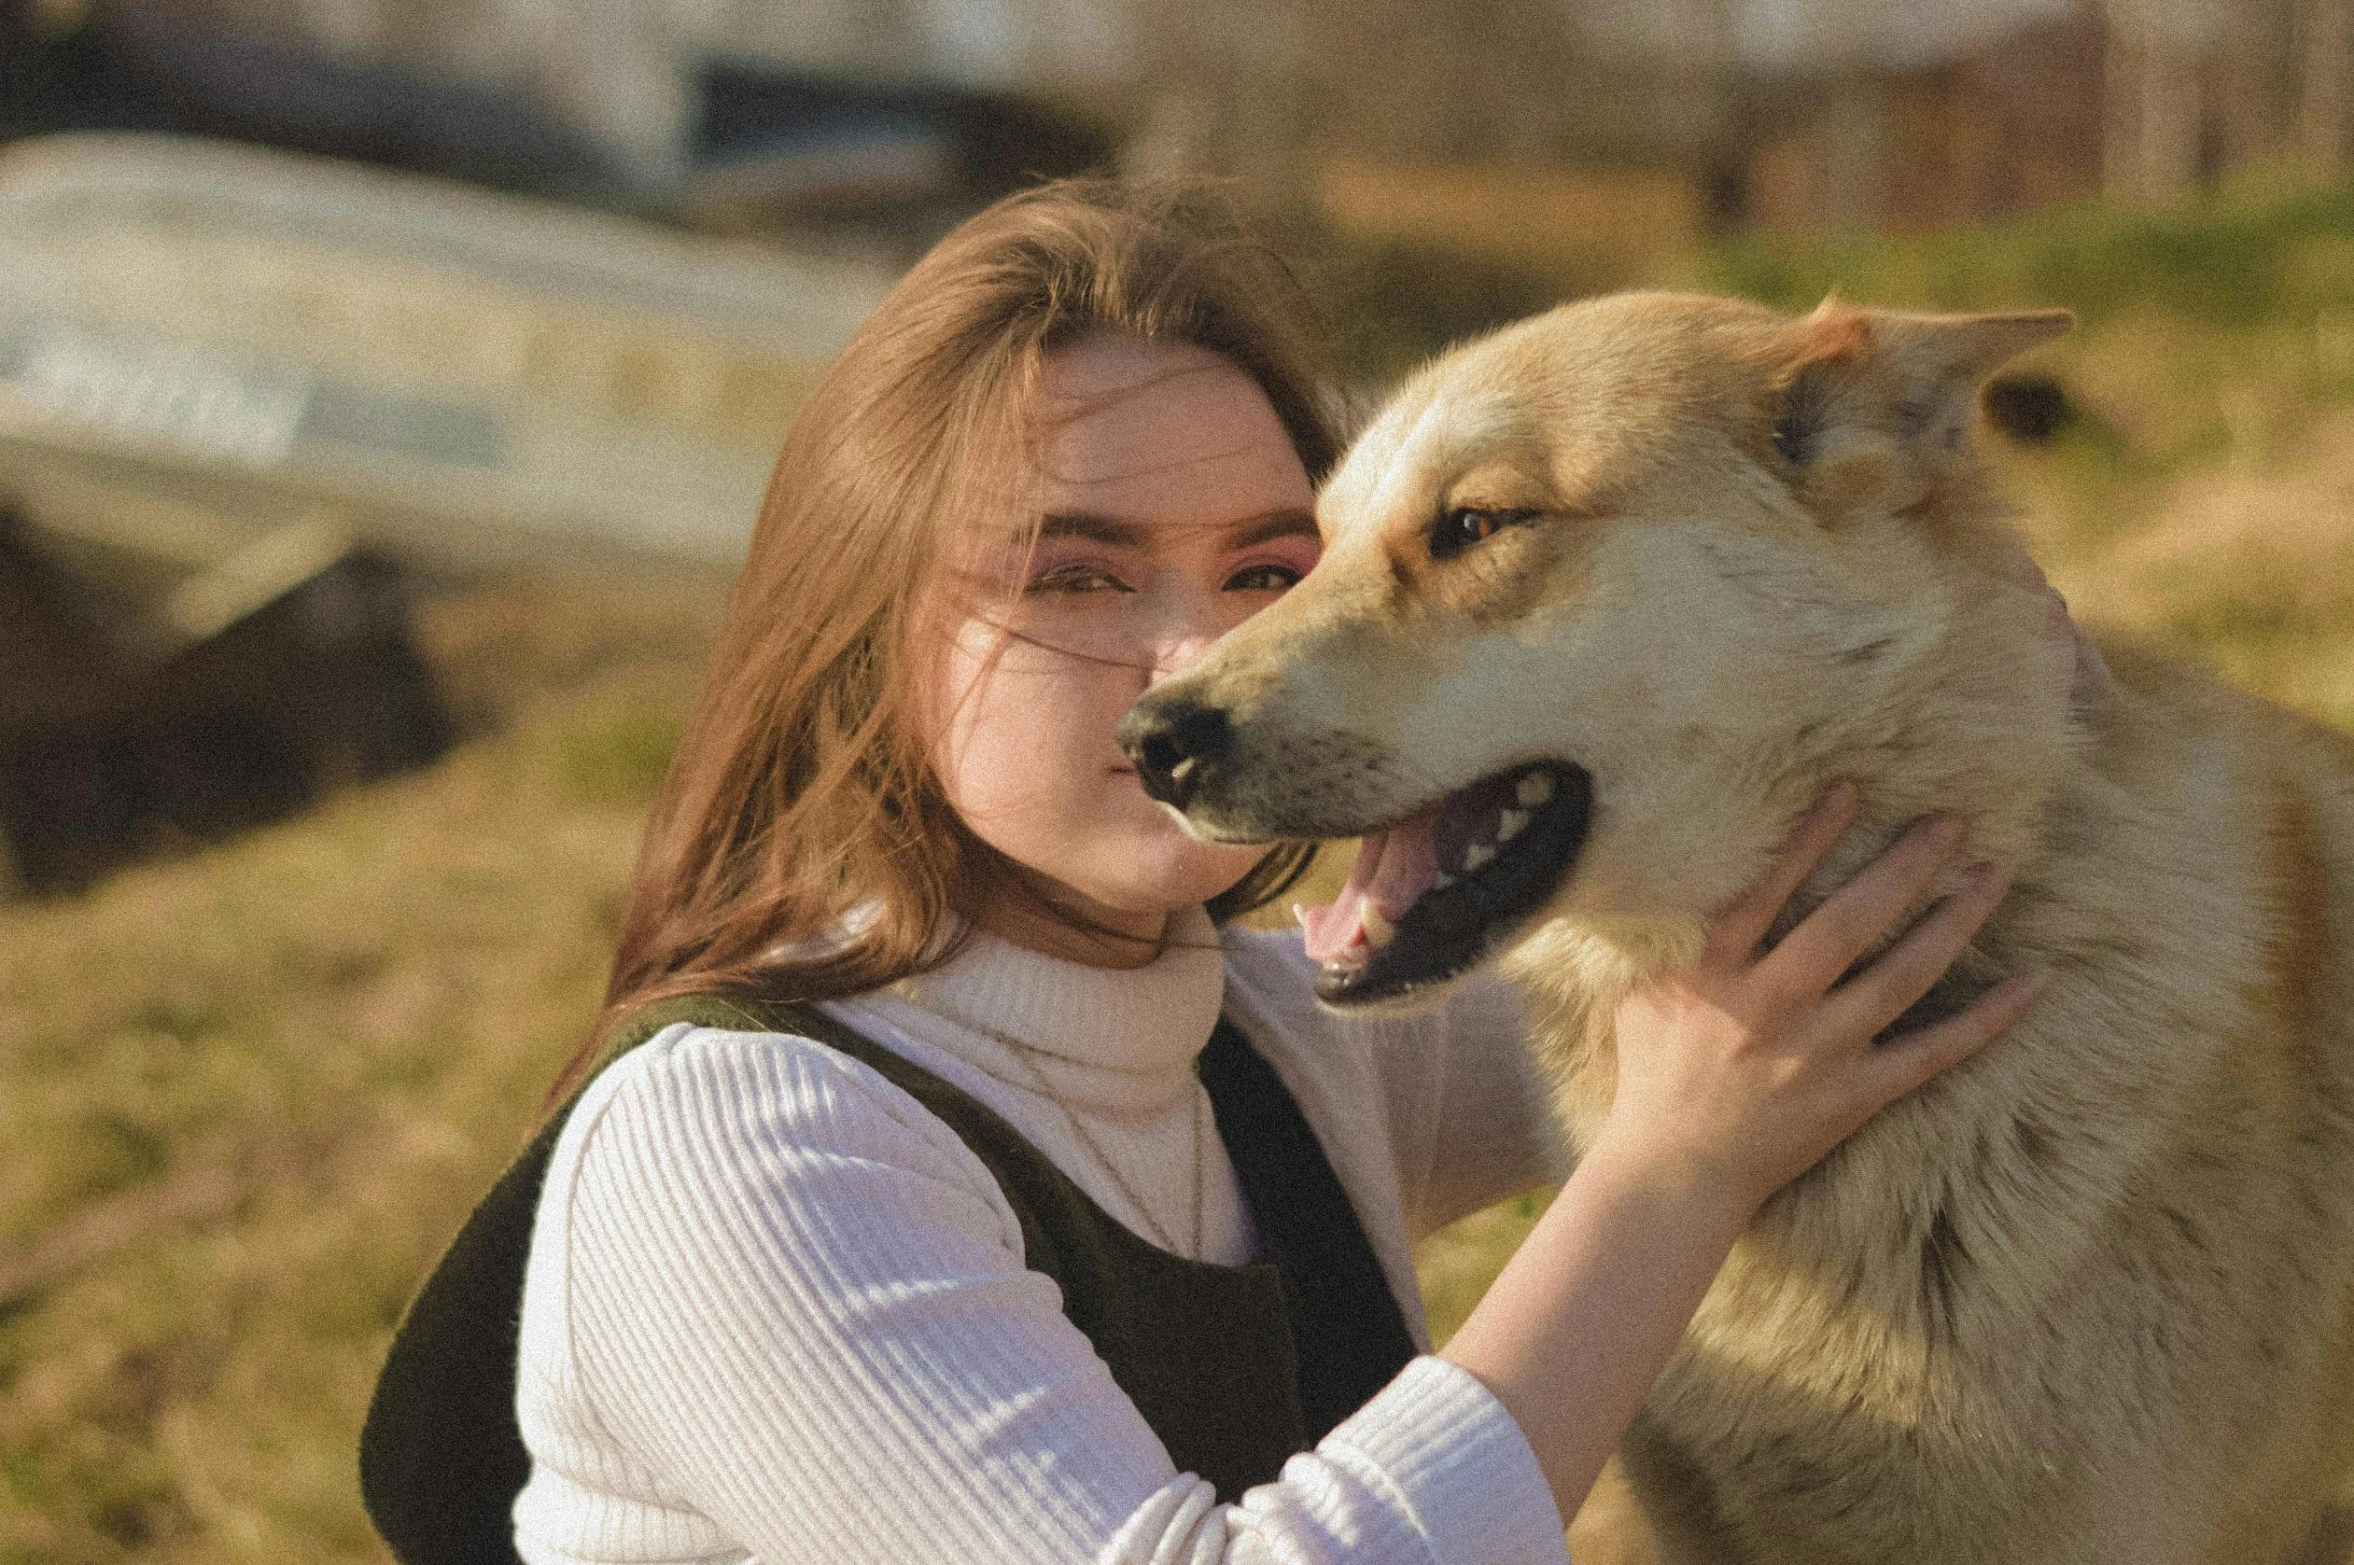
1201	1103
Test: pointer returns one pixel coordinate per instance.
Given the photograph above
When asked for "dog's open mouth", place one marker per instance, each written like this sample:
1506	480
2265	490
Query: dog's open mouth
1431	894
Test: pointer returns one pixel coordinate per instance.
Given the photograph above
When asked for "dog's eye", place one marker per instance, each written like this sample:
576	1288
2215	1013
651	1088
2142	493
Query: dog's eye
1464	526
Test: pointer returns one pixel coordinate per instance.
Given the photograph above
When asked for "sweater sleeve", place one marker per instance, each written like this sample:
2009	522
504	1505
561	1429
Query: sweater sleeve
796	1302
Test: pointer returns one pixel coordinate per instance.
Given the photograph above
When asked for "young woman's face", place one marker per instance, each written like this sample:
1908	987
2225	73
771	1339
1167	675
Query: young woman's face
1174	507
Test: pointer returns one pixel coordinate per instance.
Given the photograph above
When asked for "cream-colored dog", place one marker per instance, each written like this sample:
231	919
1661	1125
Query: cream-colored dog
1607	597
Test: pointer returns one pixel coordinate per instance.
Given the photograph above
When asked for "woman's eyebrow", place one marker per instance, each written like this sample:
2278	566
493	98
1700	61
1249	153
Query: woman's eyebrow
1091	525
1289	522
1286	522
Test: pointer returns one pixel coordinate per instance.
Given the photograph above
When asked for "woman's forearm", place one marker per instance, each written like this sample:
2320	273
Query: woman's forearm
1584	1317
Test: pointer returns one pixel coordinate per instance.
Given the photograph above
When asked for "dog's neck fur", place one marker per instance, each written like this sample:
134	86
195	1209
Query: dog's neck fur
2021	1150
1867	1247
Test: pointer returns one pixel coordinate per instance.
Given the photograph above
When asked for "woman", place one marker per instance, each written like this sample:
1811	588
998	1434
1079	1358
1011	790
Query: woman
1050	1220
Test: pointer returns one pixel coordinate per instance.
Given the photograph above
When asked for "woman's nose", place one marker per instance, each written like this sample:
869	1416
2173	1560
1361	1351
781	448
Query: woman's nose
1179	651
1187	624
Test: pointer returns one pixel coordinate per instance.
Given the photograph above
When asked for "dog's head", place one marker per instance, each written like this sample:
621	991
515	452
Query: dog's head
1606	597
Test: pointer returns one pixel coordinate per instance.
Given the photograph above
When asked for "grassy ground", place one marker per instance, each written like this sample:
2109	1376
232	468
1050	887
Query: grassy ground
249	1093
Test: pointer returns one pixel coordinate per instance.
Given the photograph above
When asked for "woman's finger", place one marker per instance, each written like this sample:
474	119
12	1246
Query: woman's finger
1812	956
1907	970
1904	1062
1742	925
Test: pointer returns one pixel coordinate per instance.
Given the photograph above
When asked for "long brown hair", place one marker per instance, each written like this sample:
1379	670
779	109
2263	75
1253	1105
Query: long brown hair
801	847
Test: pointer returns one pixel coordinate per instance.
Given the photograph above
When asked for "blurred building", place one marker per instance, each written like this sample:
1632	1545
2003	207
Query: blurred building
1846	113
1868	113
1912	116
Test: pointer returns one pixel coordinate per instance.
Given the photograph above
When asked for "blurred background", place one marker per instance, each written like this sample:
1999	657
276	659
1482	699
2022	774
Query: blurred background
387	386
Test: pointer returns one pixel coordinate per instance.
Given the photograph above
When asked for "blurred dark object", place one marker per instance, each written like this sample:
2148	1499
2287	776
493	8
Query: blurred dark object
778	148
771	147
2031	409
150	68
144	706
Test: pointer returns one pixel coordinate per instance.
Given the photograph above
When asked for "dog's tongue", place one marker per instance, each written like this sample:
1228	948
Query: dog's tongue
1393	868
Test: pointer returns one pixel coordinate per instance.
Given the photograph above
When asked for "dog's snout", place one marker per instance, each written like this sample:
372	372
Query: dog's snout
1174	745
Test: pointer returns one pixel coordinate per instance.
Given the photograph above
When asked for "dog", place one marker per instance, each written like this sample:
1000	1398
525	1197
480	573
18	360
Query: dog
1608	596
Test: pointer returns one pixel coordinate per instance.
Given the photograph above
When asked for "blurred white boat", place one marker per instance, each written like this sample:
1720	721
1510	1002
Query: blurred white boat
202	344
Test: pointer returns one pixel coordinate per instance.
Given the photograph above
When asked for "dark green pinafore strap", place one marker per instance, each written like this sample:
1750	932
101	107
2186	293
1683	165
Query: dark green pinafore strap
1234	1367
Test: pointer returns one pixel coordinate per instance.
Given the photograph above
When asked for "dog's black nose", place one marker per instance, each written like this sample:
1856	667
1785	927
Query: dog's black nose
1173	745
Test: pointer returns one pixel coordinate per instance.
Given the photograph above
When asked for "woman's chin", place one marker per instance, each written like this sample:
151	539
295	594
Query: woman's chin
1140	872
1197	871
1172	883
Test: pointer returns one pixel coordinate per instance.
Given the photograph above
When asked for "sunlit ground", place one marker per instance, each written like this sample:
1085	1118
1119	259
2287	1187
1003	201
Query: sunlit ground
248	1094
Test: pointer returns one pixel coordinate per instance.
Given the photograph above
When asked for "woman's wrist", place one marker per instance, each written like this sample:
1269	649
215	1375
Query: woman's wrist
1707	1199
1708	1191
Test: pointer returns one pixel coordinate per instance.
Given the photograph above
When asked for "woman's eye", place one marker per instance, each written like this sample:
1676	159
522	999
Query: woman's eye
1457	530
1075	579
1263	578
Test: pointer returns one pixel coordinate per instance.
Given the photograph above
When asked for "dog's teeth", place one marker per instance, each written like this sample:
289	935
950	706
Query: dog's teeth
1478	854
1442	883
1299	914
1534	789
1379	931
1509	823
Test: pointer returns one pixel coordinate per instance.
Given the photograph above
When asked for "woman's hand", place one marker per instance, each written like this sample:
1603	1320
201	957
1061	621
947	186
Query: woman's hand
1745	1069
1733	1078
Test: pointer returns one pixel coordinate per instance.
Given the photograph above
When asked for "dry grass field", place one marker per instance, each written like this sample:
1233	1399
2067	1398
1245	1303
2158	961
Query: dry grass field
249	1092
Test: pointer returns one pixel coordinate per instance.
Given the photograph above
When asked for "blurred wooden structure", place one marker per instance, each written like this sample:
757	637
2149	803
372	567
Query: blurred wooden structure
2194	87
2137	100
2012	124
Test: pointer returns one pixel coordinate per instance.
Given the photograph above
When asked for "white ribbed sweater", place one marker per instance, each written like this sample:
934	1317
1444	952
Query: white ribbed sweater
775	1310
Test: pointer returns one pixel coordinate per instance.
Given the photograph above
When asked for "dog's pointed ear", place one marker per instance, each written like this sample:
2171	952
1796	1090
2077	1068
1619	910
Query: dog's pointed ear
1874	406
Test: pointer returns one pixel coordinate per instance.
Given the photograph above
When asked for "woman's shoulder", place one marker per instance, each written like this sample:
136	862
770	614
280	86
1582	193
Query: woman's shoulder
777	1114
717	1068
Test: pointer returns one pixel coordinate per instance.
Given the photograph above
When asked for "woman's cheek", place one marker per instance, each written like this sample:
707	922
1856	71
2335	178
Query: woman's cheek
1029	734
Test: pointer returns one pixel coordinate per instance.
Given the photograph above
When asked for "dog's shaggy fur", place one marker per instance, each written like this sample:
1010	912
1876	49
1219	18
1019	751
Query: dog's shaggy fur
2088	1297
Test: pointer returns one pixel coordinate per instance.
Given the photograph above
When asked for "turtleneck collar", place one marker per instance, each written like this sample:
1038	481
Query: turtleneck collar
1113	1041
